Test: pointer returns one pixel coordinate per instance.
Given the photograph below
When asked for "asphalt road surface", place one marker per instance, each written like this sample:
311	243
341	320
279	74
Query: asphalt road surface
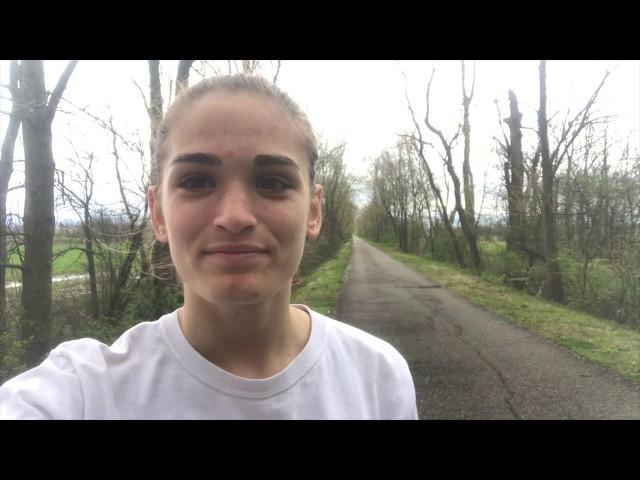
467	363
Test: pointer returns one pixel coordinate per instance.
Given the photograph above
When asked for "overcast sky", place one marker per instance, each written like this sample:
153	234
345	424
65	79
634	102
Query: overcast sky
359	102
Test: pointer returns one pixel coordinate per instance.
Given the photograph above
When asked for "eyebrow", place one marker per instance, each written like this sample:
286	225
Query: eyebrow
265	160
261	160
199	158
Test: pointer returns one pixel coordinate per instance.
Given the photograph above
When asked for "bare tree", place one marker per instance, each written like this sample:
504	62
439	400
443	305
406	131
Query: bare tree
160	255
39	218
275	75
390	188
419	145
155	103
467	176
440	204
514	176
6	168
79	198
465	222
137	219
551	160
552	288
182	77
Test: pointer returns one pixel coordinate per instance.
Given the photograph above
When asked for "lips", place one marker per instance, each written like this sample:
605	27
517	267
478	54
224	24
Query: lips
235	256
235	248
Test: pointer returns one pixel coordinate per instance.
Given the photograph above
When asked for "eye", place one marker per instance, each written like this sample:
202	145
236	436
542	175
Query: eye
272	184
196	182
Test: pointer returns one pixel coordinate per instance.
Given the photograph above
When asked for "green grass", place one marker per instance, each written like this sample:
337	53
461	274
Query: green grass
320	289
601	341
67	260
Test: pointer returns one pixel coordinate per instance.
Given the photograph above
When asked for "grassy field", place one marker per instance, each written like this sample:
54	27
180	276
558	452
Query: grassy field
320	289
67	260
601	341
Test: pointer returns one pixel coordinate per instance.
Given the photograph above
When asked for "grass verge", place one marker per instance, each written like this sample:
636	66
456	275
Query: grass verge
319	290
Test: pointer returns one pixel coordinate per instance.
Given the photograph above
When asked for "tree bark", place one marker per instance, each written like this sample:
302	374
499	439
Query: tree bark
6	168
515	182
182	78
155	103
39	216
552	288
162	270
467	175
91	265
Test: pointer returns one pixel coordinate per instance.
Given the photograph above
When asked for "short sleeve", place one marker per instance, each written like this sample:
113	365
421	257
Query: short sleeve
396	391
405	399
50	391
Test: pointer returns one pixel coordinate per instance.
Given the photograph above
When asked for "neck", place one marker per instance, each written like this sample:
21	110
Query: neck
254	340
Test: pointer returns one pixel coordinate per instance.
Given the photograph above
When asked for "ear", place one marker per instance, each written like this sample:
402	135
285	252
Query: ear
157	218
314	221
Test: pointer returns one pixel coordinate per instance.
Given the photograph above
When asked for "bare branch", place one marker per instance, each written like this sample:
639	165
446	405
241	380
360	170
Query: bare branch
446	145
583	115
415	139
484	191
60	86
11	265
101	123
275	77
215	69
144	98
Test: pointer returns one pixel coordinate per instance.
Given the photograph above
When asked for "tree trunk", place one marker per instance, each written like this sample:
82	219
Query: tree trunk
552	288
162	268
160	254
182	78
39	221
467	176
419	146
39	215
443	215
119	298
6	168
467	227
155	102
515	234
91	266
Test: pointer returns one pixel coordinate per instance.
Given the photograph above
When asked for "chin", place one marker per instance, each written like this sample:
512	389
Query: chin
240	291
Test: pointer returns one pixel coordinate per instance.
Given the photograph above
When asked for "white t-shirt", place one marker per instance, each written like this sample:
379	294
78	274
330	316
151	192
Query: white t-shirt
152	372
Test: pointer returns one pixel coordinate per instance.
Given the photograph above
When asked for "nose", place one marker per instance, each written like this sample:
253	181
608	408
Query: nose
235	211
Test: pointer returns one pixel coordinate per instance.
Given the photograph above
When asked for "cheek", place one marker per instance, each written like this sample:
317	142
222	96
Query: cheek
289	224
183	225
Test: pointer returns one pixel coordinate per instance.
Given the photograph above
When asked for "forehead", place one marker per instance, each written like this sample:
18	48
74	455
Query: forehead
235	123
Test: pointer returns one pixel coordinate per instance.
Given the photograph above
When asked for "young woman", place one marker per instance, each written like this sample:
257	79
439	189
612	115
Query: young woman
235	199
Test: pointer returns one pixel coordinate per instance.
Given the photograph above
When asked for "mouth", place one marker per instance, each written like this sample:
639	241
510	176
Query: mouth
235	249
236	255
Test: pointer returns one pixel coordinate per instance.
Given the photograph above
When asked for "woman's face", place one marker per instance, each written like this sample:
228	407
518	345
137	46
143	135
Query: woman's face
235	203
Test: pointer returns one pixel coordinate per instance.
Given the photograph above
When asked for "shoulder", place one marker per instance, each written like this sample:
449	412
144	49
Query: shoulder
57	388
344	336
360	349
51	390
88	353
360	355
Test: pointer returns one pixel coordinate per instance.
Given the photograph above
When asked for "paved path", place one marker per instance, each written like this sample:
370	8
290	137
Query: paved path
470	364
